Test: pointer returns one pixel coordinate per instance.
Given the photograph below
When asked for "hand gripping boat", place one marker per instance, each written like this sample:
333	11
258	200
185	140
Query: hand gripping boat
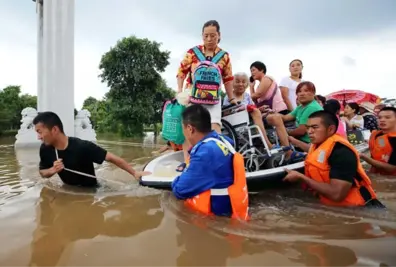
264	166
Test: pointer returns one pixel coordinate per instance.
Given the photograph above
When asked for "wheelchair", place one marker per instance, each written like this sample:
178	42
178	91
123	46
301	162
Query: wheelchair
249	140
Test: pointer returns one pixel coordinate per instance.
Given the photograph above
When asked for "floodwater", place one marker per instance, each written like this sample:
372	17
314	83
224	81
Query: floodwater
43	223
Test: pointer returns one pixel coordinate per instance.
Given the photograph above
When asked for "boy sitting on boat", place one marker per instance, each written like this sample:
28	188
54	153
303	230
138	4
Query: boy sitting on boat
383	144
214	180
332	166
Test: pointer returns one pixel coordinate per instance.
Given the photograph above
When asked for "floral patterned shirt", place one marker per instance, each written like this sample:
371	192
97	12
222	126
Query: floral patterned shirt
370	121
190	62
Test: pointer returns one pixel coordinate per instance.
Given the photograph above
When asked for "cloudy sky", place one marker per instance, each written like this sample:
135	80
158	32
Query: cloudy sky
343	43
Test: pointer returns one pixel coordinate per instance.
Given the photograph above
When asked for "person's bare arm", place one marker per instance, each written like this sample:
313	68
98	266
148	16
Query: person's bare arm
299	131
183	71
57	167
228	78
120	163
180	82
386	167
288	117
285	96
336	190
304	146
229	91
47	173
161	150
251	88
262	89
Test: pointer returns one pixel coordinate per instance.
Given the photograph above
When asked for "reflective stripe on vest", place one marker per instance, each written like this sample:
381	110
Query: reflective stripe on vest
221	191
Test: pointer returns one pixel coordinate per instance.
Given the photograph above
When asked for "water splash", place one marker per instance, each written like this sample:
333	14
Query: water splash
281	218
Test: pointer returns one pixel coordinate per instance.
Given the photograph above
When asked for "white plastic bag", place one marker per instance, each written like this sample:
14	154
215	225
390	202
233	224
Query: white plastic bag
184	97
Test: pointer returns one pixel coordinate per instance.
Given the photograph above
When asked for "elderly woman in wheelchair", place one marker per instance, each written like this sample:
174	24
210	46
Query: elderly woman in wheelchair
241	83
250	139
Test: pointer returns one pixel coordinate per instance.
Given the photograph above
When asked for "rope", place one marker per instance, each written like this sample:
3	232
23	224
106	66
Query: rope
86	174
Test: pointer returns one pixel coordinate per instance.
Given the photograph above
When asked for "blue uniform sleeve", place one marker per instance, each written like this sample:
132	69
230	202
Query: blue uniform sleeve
195	179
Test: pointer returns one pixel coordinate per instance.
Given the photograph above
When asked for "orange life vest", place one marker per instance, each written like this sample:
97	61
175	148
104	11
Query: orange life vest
237	191
318	169
380	149
176	147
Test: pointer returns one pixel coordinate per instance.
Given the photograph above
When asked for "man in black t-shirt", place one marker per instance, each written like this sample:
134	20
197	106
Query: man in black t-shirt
70	157
383	144
332	166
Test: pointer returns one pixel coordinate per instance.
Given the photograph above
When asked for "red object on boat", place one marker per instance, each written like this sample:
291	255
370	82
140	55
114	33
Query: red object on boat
346	96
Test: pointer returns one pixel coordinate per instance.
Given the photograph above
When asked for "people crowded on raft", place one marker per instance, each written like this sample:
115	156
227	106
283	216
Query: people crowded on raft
382	144
241	83
209	51
214	180
308	105
332	167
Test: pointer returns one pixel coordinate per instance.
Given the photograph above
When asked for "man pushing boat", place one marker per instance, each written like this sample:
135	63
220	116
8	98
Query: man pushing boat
70	157
214	180
383	144
332	166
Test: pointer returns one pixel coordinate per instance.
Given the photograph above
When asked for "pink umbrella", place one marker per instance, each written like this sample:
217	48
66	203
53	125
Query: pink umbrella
346	96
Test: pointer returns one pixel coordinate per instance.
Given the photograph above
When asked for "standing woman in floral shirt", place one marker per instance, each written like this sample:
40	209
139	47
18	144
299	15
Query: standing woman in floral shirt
191	60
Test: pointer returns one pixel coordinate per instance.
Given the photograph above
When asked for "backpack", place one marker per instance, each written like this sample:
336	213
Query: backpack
172	128
207	79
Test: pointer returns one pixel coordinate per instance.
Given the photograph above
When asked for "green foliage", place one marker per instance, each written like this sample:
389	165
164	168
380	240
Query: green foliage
134	102
11	105
132	70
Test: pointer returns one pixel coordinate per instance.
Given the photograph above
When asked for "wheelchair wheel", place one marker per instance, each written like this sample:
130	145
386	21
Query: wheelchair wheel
252	164
228	131
274	161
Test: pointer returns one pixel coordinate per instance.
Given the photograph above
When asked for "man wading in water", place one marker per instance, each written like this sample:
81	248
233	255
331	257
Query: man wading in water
70	157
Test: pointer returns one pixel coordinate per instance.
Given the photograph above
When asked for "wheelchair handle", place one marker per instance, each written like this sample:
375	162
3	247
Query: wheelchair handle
232	105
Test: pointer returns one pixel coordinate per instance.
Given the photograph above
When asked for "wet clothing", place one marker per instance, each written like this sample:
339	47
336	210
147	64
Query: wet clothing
80	155
383	148
343	163
208	169
237	192
322	165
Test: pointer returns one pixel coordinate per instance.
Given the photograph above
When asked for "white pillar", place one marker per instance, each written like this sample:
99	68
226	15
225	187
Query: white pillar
40	70
58	61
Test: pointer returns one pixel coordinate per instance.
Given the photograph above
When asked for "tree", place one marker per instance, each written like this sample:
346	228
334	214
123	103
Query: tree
100	114
90	101
132	70
11	106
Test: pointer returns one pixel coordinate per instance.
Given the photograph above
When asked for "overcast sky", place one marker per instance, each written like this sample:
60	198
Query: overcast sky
343	43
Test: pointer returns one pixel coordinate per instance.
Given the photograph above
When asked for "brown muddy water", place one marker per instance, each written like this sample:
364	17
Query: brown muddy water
43	223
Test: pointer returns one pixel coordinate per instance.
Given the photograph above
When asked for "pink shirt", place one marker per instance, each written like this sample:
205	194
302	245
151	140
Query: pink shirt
341	128
277	103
